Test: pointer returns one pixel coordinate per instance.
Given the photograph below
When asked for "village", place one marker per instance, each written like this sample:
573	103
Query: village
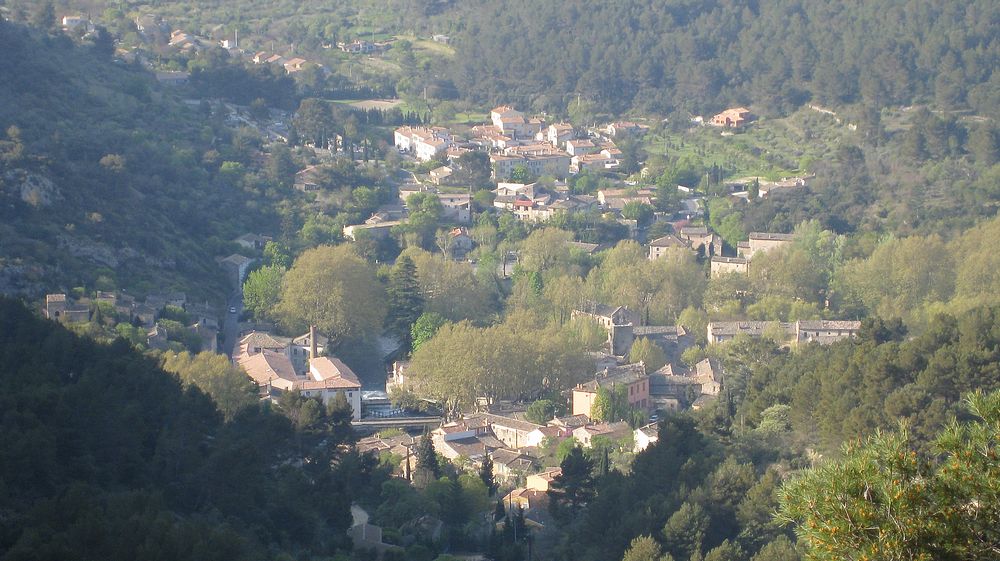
532	161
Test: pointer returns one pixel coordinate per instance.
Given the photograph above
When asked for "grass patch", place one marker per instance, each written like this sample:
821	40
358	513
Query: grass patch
768	148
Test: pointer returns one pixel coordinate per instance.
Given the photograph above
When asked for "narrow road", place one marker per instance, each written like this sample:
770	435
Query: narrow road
231	324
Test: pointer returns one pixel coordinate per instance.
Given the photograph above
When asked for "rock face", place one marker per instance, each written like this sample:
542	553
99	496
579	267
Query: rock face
34	189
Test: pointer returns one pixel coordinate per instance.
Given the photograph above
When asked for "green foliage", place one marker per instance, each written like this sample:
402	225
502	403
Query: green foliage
726	220
486	475
405	301
156	463
643	548
426	456
884	500
262	290
573	488
566	447
425	328
507	360
612	405
540	411
638	211
645	351
726	551
213	374
454	290
781	549
335	290
685	530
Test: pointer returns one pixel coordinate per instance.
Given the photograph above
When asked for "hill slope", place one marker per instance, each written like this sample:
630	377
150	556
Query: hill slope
105	456
702	55
106	180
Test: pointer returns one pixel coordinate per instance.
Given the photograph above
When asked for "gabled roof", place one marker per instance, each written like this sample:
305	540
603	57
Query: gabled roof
652	430
625	374
269	367
510	458
263	340
571	421
730	260
708	369
333	373
506	422
669	240
550	430
694	231
549	474
303	340
236	259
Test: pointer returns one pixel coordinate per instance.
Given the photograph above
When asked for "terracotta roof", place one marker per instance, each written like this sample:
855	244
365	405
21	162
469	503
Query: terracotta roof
333	373
269	367
549	474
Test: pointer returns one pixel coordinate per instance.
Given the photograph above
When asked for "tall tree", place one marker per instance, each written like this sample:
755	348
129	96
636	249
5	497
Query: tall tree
262	290
314	122
335	290
685	530
405	302
486	475
427	457
574	487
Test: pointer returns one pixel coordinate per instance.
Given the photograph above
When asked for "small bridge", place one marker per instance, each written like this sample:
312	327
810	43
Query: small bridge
404	423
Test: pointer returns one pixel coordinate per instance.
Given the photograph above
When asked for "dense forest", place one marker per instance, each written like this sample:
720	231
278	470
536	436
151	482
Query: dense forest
652	57
106	456
700	56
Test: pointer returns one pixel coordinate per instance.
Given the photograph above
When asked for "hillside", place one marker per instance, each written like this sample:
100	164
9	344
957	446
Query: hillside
106	456
700	56
106	180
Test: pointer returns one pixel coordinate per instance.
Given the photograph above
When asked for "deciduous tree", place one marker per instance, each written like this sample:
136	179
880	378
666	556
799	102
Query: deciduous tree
335	290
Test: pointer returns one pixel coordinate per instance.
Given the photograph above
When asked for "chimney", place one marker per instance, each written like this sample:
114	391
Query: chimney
312	343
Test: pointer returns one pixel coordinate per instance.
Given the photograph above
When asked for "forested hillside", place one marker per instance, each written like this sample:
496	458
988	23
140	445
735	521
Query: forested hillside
105	456
654	57
703	55
708	489
105	181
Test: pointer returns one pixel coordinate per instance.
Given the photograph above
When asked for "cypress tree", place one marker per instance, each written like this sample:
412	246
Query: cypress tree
405	301
427	457
486	474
